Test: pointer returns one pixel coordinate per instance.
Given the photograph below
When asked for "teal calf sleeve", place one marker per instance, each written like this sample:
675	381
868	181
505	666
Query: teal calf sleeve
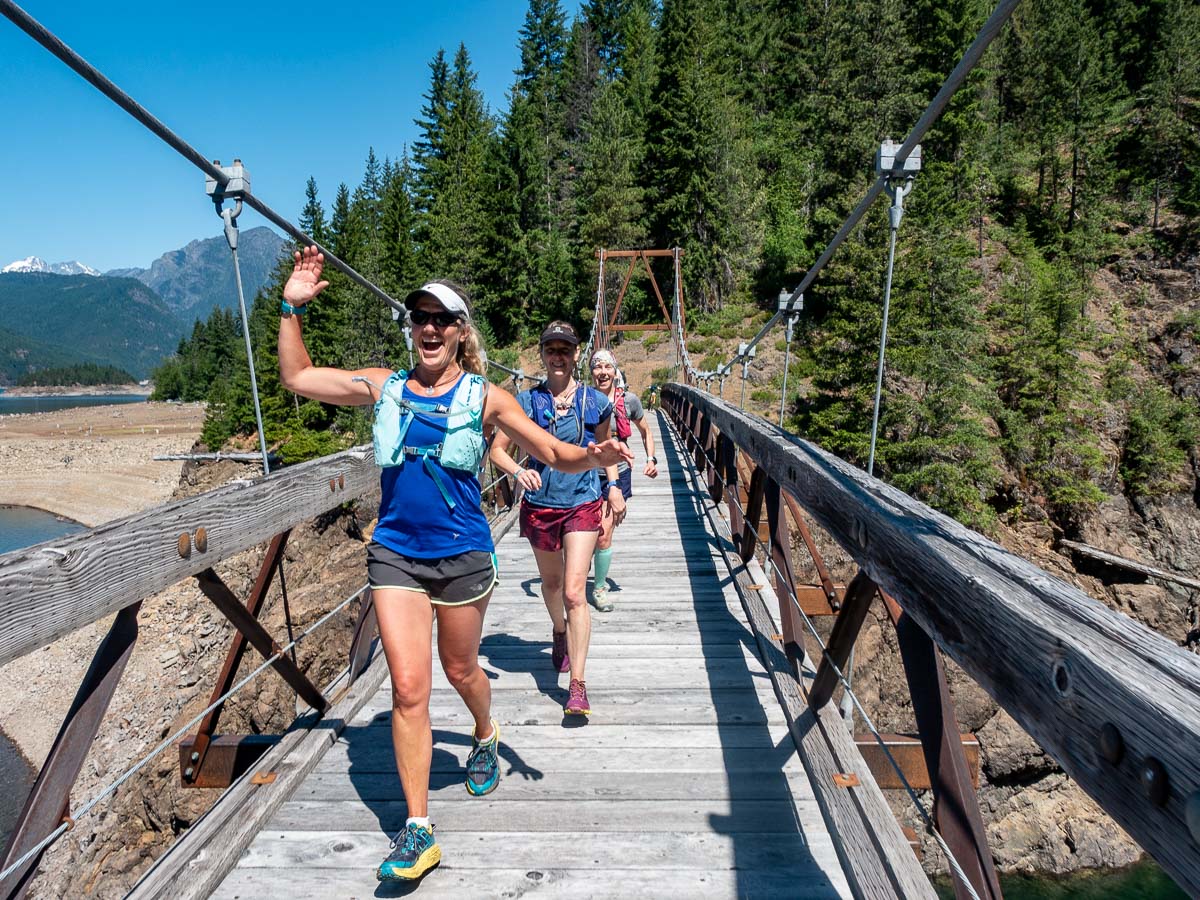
603	559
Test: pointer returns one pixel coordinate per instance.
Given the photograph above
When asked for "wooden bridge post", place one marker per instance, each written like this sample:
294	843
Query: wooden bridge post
716	482
48	802
955	803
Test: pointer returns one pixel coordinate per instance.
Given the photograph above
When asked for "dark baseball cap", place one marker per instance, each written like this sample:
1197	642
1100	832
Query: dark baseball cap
559	331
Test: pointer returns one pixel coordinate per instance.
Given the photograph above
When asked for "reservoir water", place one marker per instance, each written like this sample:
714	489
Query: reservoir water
21	526
10	405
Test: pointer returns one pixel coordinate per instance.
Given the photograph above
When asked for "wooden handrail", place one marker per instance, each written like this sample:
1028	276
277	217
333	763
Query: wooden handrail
1115	703
54	588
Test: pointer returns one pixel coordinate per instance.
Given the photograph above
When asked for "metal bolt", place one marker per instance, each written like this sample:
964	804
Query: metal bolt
1191	812
342	482
187	773
1153	776
332	485
201	539
184	545
195	756
1112	745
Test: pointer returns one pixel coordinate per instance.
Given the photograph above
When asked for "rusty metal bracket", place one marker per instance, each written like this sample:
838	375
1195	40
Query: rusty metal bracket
955	803
846	779
846	627
224	599
47	805
233	658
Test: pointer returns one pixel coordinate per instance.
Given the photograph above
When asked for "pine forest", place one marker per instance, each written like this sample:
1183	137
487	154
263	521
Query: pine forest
1030	370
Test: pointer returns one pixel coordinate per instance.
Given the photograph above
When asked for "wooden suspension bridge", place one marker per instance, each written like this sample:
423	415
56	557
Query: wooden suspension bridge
715	762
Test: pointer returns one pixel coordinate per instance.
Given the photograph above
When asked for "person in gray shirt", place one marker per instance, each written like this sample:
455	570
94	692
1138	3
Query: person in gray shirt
627	413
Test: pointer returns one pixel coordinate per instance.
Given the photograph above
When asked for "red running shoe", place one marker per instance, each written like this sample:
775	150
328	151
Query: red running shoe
558	654
577	701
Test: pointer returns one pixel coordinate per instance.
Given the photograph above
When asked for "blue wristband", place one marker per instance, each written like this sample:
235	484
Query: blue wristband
290	310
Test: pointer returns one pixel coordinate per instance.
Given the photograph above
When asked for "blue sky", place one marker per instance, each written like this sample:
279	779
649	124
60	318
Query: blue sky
291	94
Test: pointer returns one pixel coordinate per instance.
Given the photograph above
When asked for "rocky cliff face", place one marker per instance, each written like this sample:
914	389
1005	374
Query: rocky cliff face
195	279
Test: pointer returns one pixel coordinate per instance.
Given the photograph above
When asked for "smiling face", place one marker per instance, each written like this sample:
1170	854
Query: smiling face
437	345
603	373
558	357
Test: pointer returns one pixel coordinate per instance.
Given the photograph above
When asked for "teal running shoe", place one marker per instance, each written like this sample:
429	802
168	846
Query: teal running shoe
483	764
414	852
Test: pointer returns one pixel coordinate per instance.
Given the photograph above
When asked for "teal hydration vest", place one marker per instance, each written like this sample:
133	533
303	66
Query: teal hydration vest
463	446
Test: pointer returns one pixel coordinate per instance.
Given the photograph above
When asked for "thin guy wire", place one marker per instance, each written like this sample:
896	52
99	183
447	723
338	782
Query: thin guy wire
167	742
916	801
89	73
237	275
887	301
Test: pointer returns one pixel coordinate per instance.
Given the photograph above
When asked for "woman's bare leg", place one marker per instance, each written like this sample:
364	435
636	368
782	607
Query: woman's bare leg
578	547
406	632
459	631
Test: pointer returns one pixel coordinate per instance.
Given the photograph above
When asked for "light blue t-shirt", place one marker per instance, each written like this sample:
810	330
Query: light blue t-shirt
561	490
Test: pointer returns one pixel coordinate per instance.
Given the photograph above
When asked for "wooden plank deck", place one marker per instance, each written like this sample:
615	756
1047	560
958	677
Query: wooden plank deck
684	781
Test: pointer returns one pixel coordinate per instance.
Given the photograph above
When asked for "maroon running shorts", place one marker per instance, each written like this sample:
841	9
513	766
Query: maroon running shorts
545	525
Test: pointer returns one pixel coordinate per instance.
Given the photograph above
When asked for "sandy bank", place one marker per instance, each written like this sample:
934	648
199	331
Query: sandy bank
78	390
95	464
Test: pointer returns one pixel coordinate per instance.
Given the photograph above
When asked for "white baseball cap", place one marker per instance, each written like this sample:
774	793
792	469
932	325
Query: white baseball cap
449	298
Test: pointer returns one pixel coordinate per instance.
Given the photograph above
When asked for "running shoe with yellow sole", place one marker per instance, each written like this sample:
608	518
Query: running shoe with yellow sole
483	764
414	852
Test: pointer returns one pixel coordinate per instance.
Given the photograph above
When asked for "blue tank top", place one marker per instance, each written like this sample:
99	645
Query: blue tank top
414	519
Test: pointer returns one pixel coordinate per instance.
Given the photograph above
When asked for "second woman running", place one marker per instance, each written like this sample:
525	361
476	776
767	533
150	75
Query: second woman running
561	511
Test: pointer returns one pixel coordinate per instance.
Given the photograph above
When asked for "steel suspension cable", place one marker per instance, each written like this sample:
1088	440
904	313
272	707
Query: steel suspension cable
841	677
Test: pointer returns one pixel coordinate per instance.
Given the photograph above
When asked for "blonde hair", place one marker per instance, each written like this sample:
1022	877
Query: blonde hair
472	355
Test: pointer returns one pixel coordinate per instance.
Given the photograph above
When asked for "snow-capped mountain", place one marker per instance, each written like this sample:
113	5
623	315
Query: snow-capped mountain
34	264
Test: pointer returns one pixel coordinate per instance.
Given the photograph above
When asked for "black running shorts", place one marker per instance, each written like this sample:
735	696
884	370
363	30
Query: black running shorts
450	581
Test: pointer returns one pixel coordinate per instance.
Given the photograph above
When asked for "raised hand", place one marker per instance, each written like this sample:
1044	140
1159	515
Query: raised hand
305	281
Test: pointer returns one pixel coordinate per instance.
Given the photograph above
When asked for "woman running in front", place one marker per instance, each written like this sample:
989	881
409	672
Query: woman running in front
431	555
627	412
560	511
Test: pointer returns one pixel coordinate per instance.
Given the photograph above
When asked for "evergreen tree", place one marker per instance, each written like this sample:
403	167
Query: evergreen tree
312	216
429	150
455	224
698	159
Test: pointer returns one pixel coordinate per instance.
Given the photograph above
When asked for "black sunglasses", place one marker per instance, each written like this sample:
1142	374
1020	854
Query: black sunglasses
440	319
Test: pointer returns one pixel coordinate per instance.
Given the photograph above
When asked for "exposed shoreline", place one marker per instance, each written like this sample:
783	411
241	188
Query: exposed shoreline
77	390
93	464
